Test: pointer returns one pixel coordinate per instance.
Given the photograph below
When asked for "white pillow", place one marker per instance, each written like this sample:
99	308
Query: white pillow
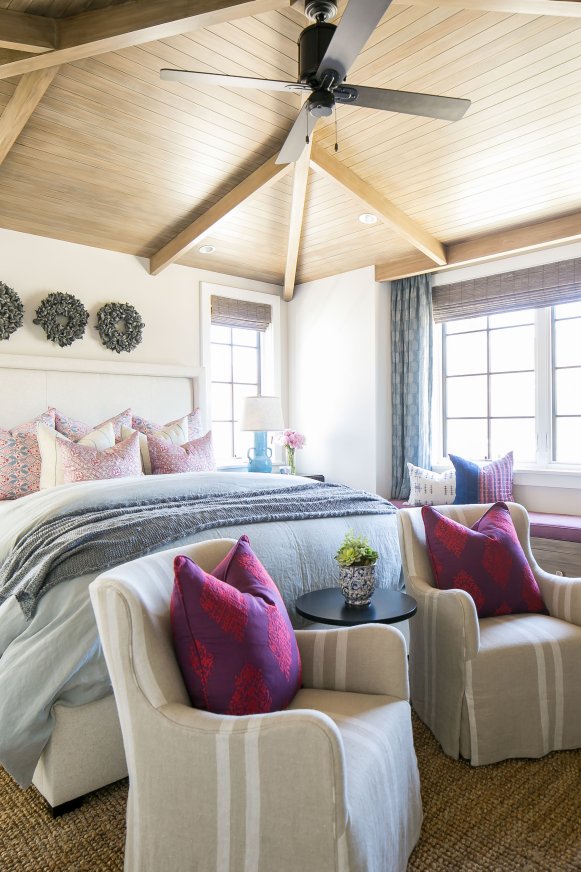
176	433
431	488
51	470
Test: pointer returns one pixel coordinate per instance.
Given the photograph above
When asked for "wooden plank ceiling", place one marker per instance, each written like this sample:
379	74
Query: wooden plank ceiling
108	155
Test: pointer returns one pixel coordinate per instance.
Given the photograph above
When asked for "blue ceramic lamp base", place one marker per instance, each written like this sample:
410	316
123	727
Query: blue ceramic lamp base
260	460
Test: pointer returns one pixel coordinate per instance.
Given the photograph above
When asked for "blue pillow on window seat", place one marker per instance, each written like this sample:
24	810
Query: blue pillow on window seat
489	483
467	478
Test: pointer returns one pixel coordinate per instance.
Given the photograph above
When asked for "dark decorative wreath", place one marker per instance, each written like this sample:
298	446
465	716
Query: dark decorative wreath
120	326
62	317
11	311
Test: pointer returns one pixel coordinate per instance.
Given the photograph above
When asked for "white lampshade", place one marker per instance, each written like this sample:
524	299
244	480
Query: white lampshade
262	413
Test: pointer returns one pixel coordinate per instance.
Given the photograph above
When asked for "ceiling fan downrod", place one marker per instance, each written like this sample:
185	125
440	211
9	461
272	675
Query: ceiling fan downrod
314	42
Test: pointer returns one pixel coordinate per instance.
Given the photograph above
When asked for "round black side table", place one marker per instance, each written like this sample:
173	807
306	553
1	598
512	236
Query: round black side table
328	606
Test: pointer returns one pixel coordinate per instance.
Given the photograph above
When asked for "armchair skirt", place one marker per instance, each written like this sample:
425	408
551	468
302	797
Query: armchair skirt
492	688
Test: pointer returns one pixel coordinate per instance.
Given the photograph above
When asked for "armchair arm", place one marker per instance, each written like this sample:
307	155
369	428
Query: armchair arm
370	658
274	743
562	595
457	619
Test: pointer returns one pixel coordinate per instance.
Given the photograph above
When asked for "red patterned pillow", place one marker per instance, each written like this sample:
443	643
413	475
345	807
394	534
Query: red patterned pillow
486	560
233	637
75	430
194	456
20	458
85	463
150	428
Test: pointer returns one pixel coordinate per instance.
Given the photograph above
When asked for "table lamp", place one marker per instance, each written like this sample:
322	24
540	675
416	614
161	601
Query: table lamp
261	414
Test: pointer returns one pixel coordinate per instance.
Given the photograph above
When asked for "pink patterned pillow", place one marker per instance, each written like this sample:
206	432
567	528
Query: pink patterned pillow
232	635
150	428
20	458
85	463
75	430
486	560
194	456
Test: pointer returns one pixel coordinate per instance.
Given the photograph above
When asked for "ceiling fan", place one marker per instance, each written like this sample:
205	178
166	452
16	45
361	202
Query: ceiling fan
326	52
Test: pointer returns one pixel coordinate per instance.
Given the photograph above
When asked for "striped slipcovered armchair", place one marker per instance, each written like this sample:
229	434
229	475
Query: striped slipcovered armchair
492	688
328	785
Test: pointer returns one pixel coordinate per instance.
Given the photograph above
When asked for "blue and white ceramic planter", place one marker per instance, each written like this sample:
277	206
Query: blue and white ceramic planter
357	584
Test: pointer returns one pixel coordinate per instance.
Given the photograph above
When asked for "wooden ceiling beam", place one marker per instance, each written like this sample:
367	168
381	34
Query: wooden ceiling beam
24	32
113	28
261	178
528	237
27	95
7	55
400	268
375	202
297	213
556	8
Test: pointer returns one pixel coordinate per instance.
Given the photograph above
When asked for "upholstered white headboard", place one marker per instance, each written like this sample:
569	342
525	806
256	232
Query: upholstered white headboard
92	390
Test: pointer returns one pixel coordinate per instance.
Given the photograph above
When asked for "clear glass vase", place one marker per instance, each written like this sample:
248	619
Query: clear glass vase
290	459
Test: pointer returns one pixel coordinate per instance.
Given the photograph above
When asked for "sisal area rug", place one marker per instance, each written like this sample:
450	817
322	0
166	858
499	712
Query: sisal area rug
518	815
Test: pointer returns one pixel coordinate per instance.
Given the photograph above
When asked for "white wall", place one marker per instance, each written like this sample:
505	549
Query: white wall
338	371
169	303
546	498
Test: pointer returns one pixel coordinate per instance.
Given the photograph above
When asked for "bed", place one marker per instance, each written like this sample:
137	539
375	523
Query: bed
58	722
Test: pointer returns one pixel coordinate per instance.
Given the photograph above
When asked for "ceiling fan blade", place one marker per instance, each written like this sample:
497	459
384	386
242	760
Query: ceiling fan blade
408	102
212	80
296	140
359	20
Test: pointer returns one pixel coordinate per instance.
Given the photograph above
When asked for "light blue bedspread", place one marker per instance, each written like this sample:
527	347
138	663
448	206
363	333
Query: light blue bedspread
56	656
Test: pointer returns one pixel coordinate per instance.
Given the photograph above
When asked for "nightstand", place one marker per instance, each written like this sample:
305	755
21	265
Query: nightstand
328	606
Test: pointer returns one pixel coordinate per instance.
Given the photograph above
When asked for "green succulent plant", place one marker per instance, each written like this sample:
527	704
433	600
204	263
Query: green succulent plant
355	551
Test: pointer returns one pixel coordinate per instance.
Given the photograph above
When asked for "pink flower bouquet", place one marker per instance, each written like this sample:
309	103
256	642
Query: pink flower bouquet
291	441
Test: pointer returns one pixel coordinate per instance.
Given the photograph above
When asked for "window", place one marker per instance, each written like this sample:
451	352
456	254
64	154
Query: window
566	335
235	374
512	381
240	356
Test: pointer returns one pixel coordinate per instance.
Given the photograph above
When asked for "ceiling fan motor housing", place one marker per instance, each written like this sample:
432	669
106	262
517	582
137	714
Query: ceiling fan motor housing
321	104
313	43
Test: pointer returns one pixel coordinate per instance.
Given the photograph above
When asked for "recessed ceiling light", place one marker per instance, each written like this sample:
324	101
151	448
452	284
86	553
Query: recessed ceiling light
368	218
207	249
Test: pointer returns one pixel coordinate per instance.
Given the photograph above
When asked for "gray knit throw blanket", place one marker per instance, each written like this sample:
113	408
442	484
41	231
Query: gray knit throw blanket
95	539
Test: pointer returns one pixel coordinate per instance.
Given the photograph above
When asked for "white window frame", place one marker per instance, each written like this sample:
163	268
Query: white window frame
271	345
545	471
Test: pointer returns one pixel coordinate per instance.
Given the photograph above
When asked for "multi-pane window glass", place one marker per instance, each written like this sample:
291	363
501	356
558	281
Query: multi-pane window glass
566	333
235	367
513	382
489	386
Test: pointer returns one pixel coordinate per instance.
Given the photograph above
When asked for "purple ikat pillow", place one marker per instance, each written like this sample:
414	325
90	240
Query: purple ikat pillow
486	560
232	635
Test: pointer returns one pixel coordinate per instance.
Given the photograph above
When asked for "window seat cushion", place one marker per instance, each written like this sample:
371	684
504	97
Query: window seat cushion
545	525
